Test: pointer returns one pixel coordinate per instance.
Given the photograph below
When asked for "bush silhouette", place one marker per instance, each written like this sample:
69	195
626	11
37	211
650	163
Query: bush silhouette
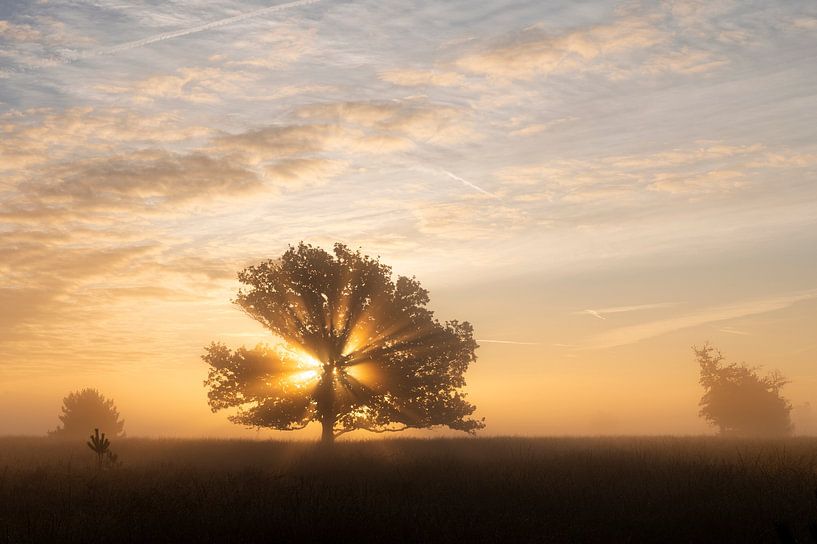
739	401
86	410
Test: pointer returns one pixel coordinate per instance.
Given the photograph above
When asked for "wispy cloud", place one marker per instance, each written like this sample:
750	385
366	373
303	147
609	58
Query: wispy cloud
416	77
513	342
135	44
730	330
635	333
534	51
601	312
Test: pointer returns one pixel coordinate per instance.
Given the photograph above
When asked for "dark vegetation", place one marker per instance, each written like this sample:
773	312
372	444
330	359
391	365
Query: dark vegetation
442	490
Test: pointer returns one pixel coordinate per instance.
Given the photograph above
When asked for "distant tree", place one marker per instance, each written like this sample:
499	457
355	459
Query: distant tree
739	401
358	350
86	410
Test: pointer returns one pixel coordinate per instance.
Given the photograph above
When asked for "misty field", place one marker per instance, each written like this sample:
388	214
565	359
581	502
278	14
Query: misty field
444	490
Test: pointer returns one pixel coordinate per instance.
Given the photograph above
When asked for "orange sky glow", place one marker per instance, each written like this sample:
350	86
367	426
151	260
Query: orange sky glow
595	186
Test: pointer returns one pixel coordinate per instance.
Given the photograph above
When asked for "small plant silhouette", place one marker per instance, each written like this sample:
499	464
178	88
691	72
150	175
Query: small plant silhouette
101	446
112	460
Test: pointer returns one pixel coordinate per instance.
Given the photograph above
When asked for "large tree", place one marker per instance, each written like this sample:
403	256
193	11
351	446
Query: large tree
86	410
738	400
356	350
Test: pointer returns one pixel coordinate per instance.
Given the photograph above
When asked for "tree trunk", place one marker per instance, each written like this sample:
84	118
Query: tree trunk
326	406
327	432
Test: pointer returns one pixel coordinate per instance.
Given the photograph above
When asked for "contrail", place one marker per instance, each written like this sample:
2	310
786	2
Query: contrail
104	51
436	170
509	342
468	183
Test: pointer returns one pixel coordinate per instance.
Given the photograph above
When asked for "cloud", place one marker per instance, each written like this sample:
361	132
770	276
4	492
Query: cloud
534	52
784	159
512	342
642	40
410	77
151	178
716	181
297	151
417	120
702	169
42	278
730	330
279	141
282	46
23	262
571	182
229	74
61	165
288	91
804	23
635	333
535	128
469	220
196	85
618	194
601	312
704	151
684	61
40	136
305	170
136	44
18	33
141	292
22	305
530	130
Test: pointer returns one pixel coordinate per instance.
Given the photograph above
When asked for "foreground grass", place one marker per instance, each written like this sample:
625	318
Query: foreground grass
469	490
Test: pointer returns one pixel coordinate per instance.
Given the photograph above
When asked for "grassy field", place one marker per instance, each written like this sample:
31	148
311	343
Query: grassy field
464	490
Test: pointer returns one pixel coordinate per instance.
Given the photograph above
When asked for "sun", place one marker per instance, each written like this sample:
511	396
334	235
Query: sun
305	368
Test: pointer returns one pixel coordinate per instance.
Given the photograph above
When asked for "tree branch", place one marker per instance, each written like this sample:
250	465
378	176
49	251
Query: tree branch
297	428
376	429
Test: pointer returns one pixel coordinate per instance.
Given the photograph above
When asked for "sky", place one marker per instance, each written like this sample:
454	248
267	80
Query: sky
595	186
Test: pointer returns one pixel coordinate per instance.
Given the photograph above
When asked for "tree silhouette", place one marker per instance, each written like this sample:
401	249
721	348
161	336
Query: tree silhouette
358	350
86	410
738	400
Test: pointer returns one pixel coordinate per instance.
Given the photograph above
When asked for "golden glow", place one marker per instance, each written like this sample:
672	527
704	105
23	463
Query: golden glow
366	372
299	356
303	377
358	335
306	369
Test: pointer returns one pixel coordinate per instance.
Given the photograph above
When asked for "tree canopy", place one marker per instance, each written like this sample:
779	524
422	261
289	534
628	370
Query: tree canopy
86	410
357	350
739	401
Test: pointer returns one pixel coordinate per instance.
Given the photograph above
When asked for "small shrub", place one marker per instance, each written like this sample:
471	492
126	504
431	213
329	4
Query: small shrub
101	446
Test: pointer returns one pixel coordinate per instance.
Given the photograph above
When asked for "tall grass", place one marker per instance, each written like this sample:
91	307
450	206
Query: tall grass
447	490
